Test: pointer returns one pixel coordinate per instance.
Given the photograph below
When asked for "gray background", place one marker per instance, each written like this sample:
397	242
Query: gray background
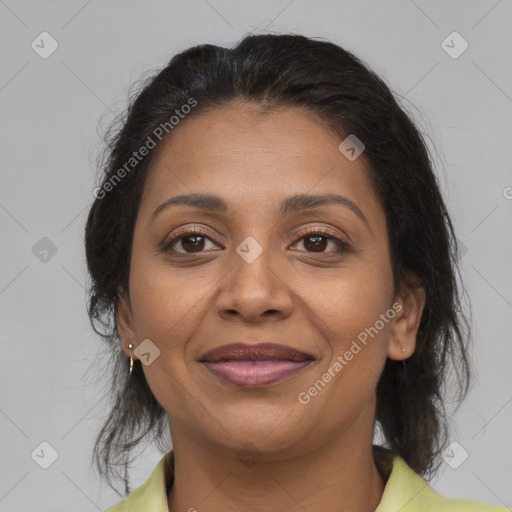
50	109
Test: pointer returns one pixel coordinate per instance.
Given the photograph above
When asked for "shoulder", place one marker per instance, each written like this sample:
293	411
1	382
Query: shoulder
151	496
406	491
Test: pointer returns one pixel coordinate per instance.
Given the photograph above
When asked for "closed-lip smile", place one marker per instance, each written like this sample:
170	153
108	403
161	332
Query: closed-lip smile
257	365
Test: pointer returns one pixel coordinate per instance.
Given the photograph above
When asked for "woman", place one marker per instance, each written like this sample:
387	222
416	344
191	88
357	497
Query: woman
274	269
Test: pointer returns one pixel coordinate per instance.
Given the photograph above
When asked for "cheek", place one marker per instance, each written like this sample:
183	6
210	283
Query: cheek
168	306
347	301
346	308
346	379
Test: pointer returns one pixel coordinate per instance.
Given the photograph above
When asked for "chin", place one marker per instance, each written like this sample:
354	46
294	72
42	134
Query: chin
270	429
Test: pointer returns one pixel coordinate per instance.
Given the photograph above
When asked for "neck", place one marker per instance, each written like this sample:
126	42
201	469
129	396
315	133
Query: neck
341	475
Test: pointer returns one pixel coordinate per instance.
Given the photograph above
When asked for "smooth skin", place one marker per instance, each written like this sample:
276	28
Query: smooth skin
303	291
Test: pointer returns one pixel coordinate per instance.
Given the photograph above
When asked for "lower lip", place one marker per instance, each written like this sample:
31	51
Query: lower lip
255	373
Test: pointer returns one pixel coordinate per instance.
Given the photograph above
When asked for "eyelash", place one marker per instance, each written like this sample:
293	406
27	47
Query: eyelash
342	244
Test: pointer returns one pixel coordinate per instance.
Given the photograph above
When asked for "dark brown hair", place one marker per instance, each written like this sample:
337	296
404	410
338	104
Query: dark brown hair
288	71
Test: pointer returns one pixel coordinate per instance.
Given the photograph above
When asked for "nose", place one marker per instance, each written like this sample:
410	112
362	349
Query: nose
254	292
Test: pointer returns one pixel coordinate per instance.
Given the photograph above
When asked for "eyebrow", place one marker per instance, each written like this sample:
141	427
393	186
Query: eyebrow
292	204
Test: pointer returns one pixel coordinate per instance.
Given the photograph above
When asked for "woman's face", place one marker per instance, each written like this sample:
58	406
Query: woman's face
262	265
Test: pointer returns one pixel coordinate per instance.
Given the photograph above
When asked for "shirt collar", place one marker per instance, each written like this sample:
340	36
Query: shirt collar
404	488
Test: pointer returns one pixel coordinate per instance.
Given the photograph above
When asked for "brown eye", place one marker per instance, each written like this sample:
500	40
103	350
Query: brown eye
318	240
190	242
315	243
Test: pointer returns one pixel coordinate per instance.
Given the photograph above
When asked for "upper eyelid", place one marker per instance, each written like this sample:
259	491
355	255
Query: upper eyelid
300	232
323	230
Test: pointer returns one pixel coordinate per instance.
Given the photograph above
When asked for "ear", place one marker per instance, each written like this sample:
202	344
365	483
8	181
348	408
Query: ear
408	307
125	323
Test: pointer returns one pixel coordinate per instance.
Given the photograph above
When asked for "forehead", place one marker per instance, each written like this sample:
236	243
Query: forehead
241	152
239	129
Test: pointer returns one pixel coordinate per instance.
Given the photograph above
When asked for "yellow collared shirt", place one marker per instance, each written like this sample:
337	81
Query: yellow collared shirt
405	491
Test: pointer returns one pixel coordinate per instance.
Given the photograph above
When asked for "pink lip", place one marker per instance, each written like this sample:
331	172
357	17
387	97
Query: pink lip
255	373
254	365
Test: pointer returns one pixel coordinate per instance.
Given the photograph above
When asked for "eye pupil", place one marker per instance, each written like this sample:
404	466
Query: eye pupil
197	243
319	242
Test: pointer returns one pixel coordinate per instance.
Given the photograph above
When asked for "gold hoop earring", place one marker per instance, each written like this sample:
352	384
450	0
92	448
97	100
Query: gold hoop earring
130	347
402	349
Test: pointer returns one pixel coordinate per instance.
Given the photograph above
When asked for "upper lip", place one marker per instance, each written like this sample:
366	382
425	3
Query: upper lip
258	352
